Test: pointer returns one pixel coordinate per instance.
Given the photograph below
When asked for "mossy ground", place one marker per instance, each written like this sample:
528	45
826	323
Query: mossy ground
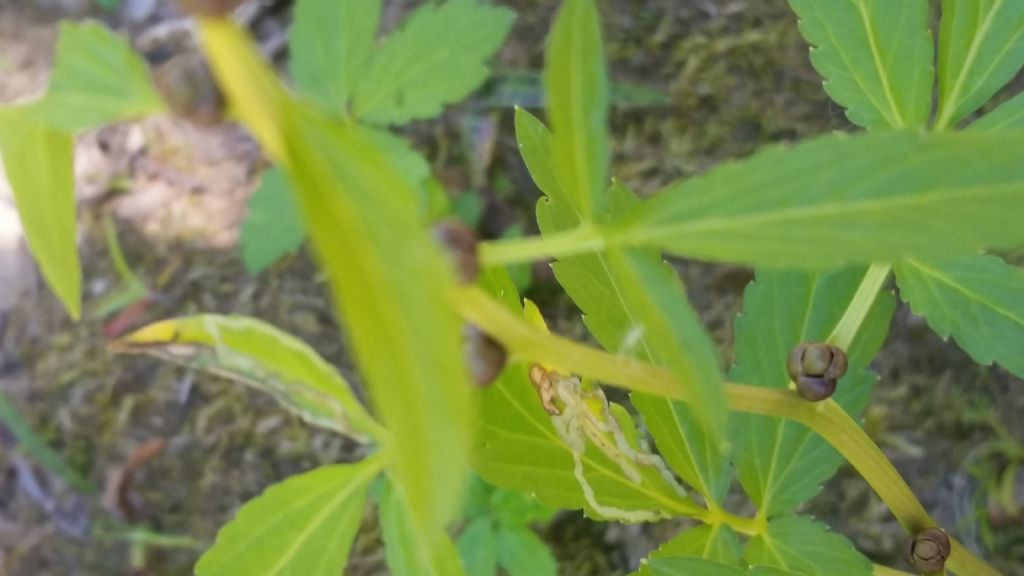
737	76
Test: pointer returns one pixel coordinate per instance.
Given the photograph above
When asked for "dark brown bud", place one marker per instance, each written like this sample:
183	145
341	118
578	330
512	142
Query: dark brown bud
928	550
484	355
815	368
189	89
209	8
459	241
815	389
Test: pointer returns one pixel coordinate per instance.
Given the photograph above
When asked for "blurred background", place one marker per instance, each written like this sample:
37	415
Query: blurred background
148	460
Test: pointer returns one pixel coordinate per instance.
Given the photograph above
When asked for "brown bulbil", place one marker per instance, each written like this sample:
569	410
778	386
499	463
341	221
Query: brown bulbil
484	355
815	368
188	88
928	550
209	8
459	242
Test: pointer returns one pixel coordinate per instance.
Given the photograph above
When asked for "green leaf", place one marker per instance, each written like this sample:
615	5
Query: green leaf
979	300
97	79
522	553
626	299
837	199
802	546
518	447
688	566
259	355
715	542
437	57
980	50
304	525
514	509
875	57
665	324
39	163
1008	116
330	44
273	227
409	550
478	548
576	84
389	278
505	507
781	463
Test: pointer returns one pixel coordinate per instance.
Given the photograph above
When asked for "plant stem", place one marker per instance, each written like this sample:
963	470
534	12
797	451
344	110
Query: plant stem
860	305
827	419
880	570
527	249
742	525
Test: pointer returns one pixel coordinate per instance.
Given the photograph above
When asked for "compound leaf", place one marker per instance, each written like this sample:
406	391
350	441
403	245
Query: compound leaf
980	50
522	553
304	525
576	86
408	550
97	79
979	300
38	161
627	299
437	57
330	44
875	57
388	277
839	199
273	226
802	546
259	355
518	447
715	542
781	463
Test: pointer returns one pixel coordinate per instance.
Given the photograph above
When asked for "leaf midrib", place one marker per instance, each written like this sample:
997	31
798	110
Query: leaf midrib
950	104
639	234
898	121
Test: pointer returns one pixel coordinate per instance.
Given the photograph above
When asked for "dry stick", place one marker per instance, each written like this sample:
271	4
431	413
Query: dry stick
825	418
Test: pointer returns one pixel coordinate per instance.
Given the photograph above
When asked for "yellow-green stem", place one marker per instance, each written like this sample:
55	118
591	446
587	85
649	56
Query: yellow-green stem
583	239
740	524
880	570
825	418
860	305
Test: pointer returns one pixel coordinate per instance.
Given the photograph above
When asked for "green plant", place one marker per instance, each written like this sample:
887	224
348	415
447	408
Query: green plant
437	57
496	533
824	223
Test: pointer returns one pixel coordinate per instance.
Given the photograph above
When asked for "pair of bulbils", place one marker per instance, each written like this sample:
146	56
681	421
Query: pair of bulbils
815	368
